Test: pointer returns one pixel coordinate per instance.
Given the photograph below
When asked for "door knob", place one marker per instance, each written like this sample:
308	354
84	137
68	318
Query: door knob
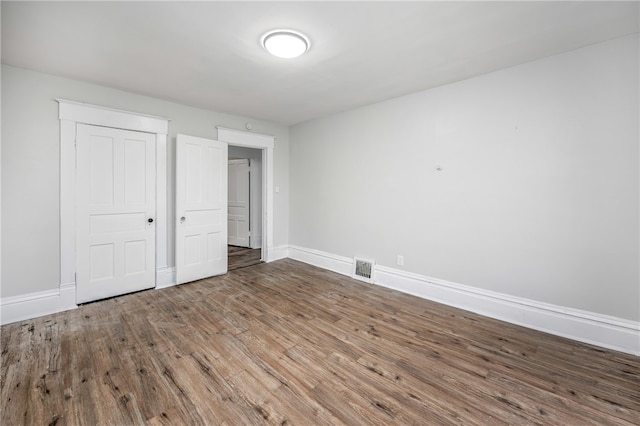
150	220
182	219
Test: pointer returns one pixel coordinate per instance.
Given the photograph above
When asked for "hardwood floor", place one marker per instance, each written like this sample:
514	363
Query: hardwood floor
241	257
286	343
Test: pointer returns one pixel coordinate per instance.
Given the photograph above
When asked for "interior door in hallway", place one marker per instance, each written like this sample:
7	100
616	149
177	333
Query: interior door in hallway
239	205
201	208
115	210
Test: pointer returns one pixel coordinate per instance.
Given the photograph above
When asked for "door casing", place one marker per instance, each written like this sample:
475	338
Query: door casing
266	144
70	113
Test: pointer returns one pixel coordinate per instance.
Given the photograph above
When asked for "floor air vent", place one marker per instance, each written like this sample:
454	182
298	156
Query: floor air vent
363	269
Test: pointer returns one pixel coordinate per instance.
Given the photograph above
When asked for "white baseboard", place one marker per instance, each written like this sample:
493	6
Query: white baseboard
277	253
601	330
589	327
33	305
332	262
165	277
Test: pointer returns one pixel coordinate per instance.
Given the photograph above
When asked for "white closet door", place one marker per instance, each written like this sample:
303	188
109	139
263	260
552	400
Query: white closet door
201	208
115	233
238	208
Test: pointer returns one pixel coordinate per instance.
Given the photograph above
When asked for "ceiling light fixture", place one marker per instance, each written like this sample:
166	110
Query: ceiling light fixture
285	43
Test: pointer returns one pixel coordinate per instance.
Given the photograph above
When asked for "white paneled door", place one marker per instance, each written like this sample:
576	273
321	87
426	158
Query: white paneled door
201	208
238	208
115	234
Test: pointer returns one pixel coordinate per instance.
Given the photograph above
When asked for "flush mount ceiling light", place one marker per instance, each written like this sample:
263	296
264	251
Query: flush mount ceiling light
285	43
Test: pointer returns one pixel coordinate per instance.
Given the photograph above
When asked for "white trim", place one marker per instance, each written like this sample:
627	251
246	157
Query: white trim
32	305
96	115
280	252
67	202
165	277
162	241
340	264
266	143
247	139
602	330
589	327
70	114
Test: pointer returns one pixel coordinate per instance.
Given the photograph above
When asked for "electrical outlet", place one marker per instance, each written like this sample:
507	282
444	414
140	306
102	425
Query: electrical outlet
400	260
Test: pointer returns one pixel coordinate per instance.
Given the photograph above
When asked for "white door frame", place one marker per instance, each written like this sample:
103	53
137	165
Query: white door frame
266	144
70	114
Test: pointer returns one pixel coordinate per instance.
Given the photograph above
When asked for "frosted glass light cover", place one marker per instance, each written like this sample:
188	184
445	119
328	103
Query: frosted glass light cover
285	43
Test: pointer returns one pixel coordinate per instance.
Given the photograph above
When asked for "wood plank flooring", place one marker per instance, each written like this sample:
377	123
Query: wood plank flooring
241	257
285	343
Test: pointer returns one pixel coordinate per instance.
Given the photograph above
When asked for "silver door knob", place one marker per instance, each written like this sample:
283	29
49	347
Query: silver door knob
182	219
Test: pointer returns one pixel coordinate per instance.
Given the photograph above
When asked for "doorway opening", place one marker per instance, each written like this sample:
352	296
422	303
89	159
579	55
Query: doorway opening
245	207
265	145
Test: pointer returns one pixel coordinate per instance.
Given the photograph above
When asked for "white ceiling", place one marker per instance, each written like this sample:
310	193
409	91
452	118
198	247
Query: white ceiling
208	54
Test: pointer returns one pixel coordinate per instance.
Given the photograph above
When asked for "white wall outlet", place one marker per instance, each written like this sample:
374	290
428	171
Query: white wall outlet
400	260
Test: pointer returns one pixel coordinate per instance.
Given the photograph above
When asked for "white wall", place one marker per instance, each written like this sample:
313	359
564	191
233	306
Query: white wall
538	196
30	168
255	190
